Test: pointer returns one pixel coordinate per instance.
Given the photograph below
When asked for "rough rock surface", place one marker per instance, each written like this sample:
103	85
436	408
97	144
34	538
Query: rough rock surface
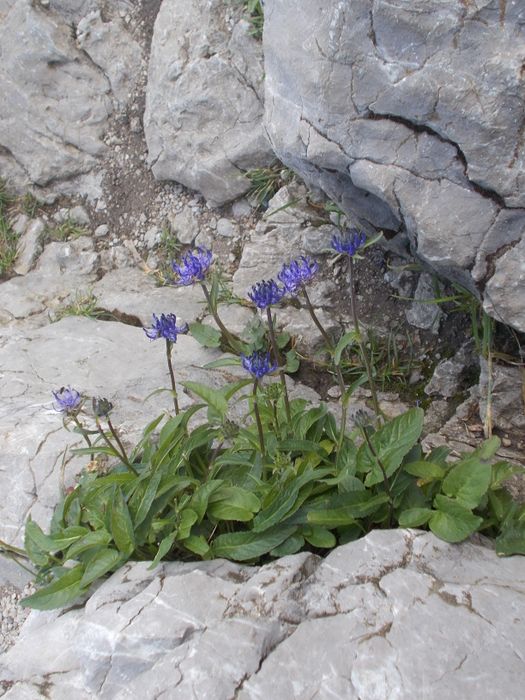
203	118
387	109
383	607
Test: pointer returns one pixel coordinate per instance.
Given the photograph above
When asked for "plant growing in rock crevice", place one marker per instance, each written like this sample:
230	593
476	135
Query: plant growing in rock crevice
284	478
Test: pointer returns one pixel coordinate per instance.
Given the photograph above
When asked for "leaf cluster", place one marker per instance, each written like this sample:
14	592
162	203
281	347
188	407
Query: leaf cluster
204	490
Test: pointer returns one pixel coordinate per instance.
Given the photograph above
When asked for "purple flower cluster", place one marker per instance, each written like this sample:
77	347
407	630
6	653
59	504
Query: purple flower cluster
259	363
349	242
67	400
266	293
166	327
193	267
297	273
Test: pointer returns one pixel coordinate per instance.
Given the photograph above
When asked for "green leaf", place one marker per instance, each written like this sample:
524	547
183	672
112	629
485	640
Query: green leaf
196	544
347	339
236	496
345	508
488	448
292	362
224	511
188	518
143	497
223	362
334	517
206	335
98	538
414	517
199	500
242	546
468	481
121	524
452	522
290	546
99	564
391	443
276	511
213	397
425	470
59	593
511	541
164	548
319	536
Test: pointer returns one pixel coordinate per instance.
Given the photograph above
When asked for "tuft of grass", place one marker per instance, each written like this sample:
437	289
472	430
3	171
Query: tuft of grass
84	304
64	231
8	238
255	15
29	205
266	182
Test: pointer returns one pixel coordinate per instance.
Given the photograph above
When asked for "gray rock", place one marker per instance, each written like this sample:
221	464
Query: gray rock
406	132
227	228
316	239
114	50
342	627
53	133
505	290
152	237
101	231
61	269
423	313
78	215
184	225
299	324
447	377
132	294
19	225
203	118
241	208
29	247
507	401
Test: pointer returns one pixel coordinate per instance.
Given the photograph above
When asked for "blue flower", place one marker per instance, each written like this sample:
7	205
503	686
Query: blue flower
266	293
259	363
67	400
193	267
297	273
101	407
165	327
349	242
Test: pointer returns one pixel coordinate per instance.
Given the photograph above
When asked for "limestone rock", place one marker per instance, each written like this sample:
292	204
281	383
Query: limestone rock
203	118
507	396
411	118
113	49
397	614
422	312
29	247
184	225
53	133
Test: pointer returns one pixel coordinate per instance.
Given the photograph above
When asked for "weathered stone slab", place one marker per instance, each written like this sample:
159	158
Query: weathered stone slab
398	614
203	118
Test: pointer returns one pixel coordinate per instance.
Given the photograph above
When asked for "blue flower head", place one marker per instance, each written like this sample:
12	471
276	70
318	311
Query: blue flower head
259	363
67	400
266	293
165	327
297	273
193	267
349	242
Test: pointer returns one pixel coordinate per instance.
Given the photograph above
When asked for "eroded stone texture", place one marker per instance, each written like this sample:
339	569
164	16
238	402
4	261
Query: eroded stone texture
203	118
412	117
398	614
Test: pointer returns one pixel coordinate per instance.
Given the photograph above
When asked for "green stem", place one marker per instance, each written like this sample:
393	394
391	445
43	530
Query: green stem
258	419
362	347
277	360
121	455
169	345
12	549
337	366
230	339
385	477
84	434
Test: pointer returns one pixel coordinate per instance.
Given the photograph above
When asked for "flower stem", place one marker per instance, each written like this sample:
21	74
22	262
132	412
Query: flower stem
83	433
337	366
121	454
362	347
230	339
385	477
277	360
169	346
258	418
